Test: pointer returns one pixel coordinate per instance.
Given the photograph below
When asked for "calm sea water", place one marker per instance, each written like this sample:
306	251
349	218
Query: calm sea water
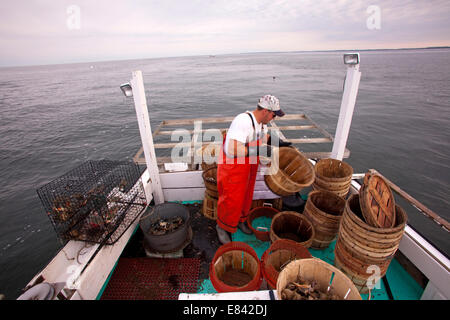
53	118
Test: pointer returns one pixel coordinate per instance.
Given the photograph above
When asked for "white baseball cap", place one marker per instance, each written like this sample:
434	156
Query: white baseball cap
271	103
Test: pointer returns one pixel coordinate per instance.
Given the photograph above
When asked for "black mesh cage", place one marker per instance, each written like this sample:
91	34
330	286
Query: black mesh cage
95	202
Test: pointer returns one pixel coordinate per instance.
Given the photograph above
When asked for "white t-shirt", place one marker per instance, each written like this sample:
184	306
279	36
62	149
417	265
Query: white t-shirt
241	129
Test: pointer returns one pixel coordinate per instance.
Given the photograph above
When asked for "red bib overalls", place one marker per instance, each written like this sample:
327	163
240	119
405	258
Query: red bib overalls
235	184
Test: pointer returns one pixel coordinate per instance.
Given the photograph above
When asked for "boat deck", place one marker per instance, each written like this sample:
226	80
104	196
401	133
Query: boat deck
201	250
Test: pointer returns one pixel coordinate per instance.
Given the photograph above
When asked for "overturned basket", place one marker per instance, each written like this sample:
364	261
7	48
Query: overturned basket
294	173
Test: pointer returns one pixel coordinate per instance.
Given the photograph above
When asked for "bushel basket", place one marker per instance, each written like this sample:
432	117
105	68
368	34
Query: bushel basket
294	173
322	273
333	175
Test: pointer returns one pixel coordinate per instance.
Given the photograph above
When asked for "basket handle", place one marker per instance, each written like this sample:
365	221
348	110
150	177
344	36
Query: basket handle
267	204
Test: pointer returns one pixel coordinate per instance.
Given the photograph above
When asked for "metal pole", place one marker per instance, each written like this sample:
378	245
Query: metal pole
346	112
145	130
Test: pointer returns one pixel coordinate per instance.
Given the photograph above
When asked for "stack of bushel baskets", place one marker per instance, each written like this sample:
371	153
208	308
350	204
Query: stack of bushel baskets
294	172
290	232
210	154
370	232
334	176
326	202
211	193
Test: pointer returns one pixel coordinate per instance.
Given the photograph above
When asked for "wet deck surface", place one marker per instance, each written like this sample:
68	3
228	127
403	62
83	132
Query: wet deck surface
203	246
205	243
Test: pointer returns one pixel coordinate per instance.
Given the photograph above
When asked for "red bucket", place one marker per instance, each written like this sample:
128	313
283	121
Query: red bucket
264	211
235	267
279	254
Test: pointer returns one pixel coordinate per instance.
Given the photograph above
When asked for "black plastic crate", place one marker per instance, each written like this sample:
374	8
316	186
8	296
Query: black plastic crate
95	202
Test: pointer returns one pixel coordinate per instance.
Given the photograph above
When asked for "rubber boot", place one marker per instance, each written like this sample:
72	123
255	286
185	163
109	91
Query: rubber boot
244	228
223	235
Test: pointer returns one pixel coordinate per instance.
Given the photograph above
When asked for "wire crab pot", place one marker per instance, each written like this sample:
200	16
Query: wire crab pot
95	202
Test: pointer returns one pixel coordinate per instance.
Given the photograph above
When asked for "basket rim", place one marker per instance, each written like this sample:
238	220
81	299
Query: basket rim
235	246
329	194
323	162
368	227
267	269
298	215
257	212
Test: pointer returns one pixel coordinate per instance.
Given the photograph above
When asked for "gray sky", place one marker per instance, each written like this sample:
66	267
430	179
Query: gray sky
50	31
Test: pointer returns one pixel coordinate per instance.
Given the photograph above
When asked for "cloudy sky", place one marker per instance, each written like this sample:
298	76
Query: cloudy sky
49	31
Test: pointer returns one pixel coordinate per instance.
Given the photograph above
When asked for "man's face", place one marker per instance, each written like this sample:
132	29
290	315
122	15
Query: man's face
268	116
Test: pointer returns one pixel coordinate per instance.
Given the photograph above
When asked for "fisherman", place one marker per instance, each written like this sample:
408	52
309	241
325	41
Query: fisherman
246	139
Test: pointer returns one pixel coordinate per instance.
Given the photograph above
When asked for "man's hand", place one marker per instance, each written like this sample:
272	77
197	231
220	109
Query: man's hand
281	143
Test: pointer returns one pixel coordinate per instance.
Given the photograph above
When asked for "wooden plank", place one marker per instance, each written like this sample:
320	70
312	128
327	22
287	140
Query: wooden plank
176	122
258	194
187	144
324	132
184	194
287	128
138	157
309	155
294	116
198	194
169	132
311	140
304	127
191	121
182	144
277	130
156	132
185	179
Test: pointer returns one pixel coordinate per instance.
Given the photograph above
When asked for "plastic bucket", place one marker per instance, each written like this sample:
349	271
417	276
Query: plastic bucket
171	241
265	211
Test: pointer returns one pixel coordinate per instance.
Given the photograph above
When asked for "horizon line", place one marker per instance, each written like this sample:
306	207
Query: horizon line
223	54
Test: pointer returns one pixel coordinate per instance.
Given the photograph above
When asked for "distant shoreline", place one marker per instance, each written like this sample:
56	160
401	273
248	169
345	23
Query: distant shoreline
349	50
226	54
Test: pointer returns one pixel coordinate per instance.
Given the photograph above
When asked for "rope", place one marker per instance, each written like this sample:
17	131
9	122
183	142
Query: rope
142	218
